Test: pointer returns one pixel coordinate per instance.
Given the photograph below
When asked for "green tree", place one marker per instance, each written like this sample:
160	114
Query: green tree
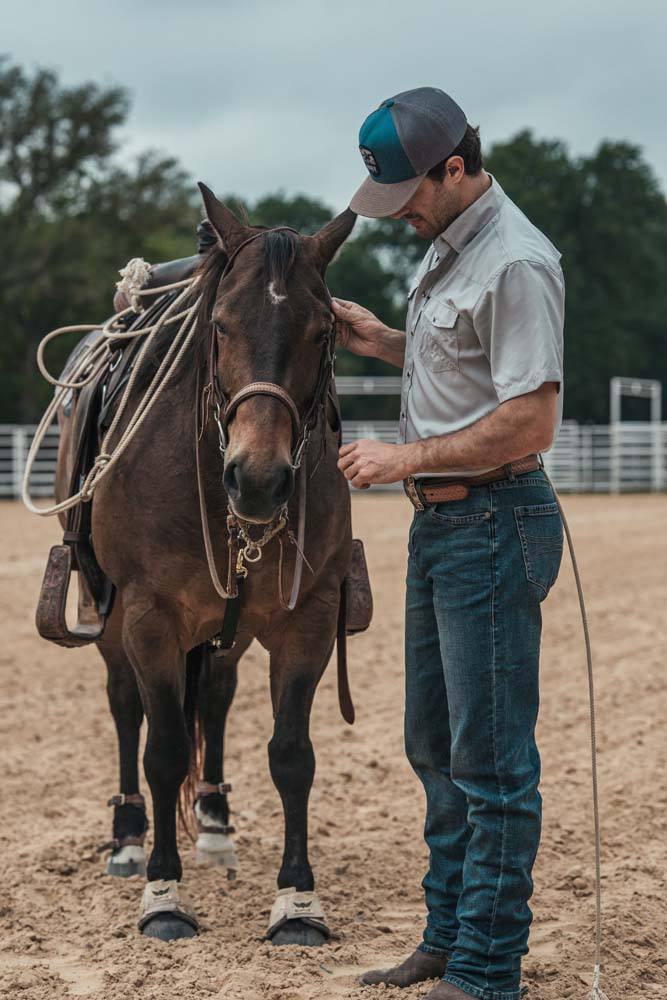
608	217
70	217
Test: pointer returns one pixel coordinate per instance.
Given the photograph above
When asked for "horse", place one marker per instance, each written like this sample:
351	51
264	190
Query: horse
200	474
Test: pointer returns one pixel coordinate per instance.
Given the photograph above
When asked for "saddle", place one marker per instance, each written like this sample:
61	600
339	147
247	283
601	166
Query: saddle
91	409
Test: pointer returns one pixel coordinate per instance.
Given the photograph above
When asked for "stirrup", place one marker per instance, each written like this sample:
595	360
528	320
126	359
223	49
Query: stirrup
50	617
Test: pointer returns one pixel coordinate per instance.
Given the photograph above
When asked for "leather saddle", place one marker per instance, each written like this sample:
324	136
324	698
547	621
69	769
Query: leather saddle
91	410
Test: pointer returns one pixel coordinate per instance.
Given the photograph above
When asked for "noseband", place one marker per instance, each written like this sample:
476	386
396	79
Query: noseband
214	405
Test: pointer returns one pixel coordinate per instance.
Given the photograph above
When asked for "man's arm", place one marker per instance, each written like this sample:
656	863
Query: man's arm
519	427
361	332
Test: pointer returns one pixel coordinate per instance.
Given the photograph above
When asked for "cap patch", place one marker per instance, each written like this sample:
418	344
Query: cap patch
368	157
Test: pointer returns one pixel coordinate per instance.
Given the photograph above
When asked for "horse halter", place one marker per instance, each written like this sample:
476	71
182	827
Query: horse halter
241	546
223	409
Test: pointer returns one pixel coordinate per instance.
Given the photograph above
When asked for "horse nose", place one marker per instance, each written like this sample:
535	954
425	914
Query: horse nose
283	485
231	480
257	493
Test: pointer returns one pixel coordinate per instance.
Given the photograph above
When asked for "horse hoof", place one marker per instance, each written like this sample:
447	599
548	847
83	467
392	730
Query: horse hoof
297	932
127	861
168	927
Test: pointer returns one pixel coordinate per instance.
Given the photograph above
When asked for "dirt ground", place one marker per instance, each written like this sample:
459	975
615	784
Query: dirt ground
68	930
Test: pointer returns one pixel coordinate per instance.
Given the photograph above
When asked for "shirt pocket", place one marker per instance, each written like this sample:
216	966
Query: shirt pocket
439	342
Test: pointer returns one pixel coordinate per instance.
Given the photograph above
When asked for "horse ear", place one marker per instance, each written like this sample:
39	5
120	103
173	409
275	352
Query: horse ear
230	232
332	236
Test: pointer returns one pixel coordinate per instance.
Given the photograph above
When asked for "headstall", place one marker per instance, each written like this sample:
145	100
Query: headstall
215	406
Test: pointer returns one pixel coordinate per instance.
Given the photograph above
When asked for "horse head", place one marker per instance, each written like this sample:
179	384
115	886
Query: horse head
272	344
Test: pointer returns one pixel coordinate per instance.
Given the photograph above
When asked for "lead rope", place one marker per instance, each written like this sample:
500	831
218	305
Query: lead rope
596	993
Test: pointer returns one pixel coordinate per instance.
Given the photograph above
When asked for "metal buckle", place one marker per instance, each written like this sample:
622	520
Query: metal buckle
413	493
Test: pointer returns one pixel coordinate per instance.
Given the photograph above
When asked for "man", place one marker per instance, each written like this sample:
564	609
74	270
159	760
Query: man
481	398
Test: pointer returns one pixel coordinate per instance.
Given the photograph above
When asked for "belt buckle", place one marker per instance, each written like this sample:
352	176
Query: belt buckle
413	494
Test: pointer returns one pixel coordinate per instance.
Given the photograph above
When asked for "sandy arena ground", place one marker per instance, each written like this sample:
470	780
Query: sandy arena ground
68	930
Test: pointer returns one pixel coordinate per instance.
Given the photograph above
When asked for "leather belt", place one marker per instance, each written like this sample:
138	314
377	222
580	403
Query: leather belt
426	491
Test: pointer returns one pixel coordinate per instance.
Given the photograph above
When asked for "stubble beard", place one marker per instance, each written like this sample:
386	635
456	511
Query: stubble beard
445	211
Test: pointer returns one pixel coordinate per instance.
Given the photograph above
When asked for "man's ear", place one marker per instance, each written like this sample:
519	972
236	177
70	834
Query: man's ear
323	245
455	169
230	232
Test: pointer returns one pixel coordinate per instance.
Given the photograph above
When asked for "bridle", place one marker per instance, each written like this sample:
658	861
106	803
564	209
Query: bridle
215	406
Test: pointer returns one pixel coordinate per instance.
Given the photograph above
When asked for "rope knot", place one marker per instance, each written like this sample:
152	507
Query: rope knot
134	276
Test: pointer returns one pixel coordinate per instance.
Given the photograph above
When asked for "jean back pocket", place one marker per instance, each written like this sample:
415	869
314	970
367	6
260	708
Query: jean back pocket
540	529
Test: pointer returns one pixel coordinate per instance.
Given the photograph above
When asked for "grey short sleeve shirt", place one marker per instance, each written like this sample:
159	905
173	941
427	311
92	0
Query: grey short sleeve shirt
484	321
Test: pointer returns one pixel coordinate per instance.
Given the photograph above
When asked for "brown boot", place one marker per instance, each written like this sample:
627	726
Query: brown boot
445	991
415	969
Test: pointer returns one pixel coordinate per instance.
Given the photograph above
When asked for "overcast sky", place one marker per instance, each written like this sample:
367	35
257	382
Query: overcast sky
252	96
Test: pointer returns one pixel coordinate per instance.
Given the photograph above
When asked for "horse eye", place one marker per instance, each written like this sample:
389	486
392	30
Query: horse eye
219	329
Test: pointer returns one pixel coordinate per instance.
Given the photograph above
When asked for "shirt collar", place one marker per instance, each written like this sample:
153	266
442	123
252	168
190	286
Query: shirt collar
470	222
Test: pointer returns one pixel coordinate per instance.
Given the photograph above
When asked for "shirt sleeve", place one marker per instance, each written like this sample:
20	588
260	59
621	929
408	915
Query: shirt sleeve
519	321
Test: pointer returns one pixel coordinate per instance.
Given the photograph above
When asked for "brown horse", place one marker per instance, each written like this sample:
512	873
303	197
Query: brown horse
264	318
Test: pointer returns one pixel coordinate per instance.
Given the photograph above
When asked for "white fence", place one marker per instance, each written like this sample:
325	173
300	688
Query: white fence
630	456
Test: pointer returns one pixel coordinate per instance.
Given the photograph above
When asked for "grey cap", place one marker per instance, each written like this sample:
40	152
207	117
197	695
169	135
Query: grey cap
400	142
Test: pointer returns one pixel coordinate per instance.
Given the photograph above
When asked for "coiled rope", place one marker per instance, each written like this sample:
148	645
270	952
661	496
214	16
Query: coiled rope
88	366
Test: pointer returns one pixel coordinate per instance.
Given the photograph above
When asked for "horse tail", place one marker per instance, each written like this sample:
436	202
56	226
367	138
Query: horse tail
194	666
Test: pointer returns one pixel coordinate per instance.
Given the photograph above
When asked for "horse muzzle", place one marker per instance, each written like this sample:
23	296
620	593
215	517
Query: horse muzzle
257	494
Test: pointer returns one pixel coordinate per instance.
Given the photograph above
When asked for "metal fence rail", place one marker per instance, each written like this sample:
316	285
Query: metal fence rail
623	457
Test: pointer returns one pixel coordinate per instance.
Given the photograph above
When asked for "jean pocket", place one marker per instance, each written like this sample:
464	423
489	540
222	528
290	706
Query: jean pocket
457	520
540	529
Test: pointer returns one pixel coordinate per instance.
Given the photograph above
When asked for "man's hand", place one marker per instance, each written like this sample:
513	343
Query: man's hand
366	462
359	330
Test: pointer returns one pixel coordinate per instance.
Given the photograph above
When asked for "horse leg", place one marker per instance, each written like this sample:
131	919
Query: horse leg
296	668
154	649
129	818
216	692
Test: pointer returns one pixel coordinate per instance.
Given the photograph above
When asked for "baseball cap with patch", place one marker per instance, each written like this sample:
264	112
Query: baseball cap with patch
400	141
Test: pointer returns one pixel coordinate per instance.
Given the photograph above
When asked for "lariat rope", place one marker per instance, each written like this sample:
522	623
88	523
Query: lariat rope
91	362
596	992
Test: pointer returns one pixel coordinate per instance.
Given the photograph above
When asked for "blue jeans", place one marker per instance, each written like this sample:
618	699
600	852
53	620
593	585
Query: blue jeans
478	570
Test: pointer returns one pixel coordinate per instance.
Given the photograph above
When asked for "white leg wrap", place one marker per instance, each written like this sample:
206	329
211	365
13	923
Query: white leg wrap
217	849
292	905
166	896
131	853
214	847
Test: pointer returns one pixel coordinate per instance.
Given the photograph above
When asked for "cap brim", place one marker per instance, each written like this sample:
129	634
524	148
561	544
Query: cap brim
375	201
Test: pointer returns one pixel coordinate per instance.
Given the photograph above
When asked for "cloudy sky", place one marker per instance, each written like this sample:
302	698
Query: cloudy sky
252	96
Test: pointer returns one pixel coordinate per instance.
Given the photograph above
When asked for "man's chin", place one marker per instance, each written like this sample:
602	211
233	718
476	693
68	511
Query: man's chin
422	229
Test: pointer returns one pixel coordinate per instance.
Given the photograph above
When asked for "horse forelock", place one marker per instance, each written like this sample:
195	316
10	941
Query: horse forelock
280	251
279	248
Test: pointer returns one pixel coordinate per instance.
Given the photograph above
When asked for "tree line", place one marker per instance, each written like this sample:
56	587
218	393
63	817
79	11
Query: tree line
71	216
